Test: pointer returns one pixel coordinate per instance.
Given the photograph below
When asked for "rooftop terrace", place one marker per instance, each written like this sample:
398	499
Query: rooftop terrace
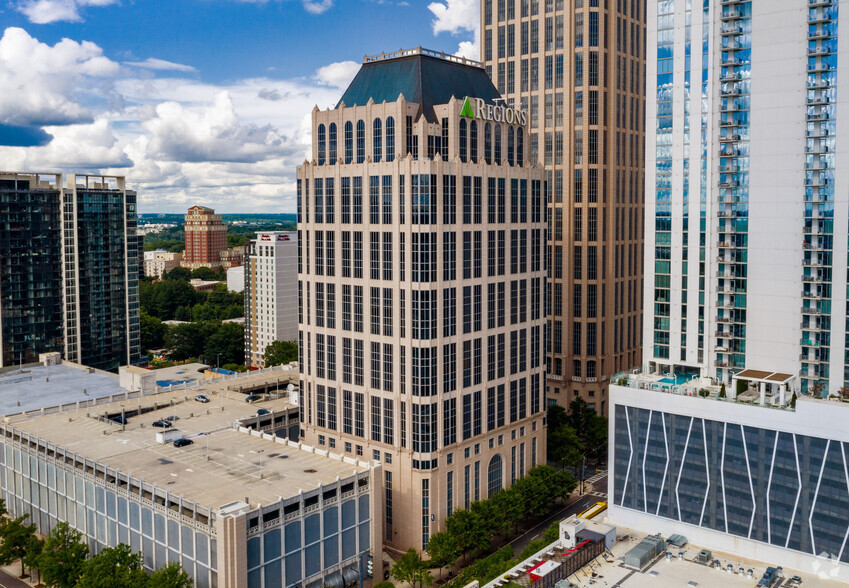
761	388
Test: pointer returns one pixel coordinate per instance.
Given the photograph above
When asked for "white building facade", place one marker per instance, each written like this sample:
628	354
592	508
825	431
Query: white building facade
746	183
271	293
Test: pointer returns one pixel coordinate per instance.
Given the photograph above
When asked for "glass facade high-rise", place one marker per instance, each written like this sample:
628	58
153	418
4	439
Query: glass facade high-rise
30	267
578	68
68	270
744	217
421	277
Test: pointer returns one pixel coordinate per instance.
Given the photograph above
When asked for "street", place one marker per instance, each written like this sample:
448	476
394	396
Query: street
580	504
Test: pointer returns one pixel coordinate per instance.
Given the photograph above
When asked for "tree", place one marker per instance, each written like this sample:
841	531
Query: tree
114	566
506	502
17	537
564	445
33	550
442	549
590	427
170	576
178	273
226	345
184	341
281	352
152	331
62	560
410	568
793	401
206	273
722	393
469	531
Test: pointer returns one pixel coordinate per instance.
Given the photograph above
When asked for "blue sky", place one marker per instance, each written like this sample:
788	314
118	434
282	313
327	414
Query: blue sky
195	101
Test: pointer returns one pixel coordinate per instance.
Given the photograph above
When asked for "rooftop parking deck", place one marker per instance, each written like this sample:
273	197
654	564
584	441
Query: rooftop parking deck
224	462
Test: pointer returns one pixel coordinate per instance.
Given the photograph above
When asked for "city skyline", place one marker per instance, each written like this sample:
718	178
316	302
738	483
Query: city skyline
216	113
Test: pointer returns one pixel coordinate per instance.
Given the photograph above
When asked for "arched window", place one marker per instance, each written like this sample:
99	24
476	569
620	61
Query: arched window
494	475
463	140
473	141
332	140
322	144
576	368
361	141
591	368
390	139
487	143
520	146
510	147
497	145
377	132
349	142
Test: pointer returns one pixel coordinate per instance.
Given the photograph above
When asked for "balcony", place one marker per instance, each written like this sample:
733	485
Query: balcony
730	28
819	3
817	51
732	13
811	311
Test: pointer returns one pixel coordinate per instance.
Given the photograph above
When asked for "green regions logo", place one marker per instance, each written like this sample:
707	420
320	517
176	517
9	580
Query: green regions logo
490	112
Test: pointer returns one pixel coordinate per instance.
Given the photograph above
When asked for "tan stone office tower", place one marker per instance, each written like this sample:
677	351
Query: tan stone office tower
421	280
578	68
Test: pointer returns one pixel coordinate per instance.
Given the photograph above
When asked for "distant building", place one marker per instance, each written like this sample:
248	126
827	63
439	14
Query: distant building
236	278
204	285
68	269
271	293
159	262
232	257
206	238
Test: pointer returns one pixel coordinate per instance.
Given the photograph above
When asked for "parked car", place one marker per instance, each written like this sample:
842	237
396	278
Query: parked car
253	398
182	442
163	423
262	411
118	419
201	398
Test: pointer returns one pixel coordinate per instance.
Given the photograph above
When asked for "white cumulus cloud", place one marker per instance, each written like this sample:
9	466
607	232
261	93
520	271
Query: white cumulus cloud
338	74
47	11
178	140
211	133
39	82
458	17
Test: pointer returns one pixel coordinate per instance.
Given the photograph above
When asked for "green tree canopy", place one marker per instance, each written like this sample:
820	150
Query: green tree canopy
226	345
411	569
281	352
16	537
178	273
170	576
469	530
152	331
62	560
442	549
114	566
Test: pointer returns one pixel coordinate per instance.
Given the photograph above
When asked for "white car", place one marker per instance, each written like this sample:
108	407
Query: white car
201	398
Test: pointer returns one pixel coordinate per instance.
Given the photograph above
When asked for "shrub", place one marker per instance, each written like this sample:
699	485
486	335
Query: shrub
384	584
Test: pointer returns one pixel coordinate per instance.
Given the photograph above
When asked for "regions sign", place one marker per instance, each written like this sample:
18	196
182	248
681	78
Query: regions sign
477	108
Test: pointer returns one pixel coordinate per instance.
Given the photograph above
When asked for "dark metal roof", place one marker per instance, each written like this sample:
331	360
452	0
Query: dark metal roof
422	79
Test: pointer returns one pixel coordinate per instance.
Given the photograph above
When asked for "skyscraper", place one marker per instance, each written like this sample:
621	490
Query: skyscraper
271	293
206	238
30	267
68	269
746	250
577	67
723	436
101	272
421	280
